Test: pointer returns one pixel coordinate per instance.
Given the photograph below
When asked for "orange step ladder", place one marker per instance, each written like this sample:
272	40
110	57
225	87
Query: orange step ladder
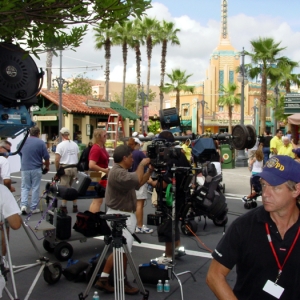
115	128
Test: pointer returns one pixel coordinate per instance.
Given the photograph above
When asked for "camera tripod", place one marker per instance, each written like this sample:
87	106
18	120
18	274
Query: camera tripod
118	223
173	218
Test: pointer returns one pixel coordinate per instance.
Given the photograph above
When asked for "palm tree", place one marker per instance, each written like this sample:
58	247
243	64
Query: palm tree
167	33
49	68
137	41
149	30
123	35
103	38
264	56
229	99
178	83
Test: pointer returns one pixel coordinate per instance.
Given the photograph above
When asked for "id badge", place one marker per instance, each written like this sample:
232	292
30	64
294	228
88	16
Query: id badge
273	289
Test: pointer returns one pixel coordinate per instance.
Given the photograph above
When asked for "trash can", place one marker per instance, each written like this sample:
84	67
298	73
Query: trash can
81	148
227	155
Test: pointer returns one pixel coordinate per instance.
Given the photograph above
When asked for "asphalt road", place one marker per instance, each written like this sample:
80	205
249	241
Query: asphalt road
26	251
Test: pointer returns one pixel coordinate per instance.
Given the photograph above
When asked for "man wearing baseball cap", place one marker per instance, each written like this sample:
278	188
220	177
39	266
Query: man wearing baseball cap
263	244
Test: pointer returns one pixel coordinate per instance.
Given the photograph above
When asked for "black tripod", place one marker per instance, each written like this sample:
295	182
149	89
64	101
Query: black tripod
118	223
173	218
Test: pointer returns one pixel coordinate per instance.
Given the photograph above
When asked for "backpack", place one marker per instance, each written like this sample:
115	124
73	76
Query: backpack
83	164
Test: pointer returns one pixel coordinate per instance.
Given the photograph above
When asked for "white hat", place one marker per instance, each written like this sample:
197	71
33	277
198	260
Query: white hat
64	130
135	134
178	146
137	141
150	134
141	136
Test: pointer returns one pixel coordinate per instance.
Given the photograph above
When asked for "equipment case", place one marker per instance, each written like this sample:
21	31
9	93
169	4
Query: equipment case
81	183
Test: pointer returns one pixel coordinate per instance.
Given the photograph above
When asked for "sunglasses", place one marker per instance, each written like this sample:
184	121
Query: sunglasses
8	150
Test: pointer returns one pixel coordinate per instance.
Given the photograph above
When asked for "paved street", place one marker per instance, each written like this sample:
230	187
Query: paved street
197	259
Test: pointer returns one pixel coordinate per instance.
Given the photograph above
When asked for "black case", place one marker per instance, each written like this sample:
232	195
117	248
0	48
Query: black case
63	226
81	183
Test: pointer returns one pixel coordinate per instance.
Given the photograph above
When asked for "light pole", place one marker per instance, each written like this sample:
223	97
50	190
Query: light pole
60	82
241	160
276	91
202	102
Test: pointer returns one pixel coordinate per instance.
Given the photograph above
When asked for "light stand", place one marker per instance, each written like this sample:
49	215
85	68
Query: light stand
60	82
241	160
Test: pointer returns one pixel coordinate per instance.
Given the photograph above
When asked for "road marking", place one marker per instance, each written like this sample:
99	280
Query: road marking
238	197
162	248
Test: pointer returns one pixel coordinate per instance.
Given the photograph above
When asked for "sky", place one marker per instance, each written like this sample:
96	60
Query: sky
199	24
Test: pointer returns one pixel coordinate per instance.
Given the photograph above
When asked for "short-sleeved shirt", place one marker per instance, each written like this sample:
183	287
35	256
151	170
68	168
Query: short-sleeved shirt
276	143
100	156
68	151
4	169
287	150
246	245
8	204
265	140
120	189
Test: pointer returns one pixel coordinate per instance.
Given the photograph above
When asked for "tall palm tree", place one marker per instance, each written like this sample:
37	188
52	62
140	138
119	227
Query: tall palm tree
149	30
229	99
167	33
123	35
137	41
178	83
265	56
103	39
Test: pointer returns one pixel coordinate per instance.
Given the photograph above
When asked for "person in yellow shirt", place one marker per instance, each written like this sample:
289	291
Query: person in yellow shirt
287	148
276	142
187	150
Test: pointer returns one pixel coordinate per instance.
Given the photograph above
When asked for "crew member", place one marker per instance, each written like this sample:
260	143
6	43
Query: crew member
120	198
263	244
67	154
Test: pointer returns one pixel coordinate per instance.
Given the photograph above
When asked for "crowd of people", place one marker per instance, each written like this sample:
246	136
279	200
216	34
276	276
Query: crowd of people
262	244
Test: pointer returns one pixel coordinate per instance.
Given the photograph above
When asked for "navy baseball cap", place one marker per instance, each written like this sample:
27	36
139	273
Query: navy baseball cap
279	169
297	151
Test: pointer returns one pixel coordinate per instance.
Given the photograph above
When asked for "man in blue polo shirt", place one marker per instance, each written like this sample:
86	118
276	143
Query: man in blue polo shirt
32	155
263	244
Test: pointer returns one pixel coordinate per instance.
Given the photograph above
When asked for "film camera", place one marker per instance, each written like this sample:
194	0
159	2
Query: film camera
160	151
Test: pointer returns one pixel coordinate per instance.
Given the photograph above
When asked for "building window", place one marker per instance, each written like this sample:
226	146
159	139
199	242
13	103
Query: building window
221	108
185	112
231	76
221	79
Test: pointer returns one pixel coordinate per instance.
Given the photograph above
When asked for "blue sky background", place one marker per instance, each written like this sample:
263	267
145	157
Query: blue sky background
199	21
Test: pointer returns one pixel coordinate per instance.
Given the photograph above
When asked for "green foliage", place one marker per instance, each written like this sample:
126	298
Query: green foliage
131	96
154	126
44	24
81	86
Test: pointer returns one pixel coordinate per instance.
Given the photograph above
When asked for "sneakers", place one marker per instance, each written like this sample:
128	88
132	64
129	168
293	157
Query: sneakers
130	290
35	211
24	210
143	229
75	209
163	260
103	284
63	209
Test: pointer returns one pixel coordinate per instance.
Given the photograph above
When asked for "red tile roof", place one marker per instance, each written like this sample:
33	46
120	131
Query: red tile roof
75	103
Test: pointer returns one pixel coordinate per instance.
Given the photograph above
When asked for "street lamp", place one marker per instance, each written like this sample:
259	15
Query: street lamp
202	102
241	160
60	82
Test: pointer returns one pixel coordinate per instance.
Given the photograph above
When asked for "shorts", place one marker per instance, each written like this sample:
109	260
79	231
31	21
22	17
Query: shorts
130	223
142	192
165	231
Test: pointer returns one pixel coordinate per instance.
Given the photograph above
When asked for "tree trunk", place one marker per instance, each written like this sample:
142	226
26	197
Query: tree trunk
162	73
49	69
149	55
125	50
263	102
107	67
138	76
177	101
229	119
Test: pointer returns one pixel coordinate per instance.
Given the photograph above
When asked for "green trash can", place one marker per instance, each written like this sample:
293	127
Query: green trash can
227	155
81	148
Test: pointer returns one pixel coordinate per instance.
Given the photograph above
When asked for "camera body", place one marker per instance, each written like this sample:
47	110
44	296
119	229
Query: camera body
160	151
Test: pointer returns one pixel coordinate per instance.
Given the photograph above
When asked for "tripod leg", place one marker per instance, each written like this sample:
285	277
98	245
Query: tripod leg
86	292
118	274
135	272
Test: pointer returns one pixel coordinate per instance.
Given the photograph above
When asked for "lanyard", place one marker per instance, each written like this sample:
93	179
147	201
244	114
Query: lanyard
280	267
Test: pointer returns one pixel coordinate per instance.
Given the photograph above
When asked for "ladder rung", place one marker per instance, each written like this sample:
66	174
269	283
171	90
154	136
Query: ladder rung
111	131
113	115
112	123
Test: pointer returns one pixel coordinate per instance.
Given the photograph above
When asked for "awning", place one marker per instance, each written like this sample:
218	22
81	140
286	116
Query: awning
175	129
269	124
186	123
124	112
294	119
